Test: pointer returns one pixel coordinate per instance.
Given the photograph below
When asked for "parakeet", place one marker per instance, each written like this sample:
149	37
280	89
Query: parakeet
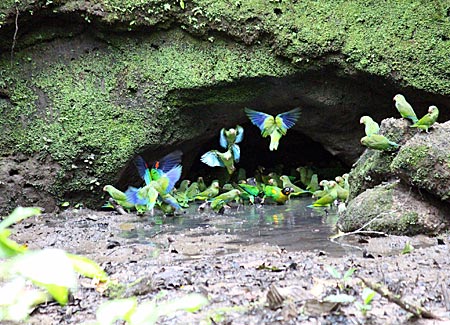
211	192
428	120
378	142
319	193
201	184
305	174
404	108
279	195
159	167
275	127
329	198
219	201
371	127
297	190
148	194
118	196
252	191
181	193
214	158
313	183
230	138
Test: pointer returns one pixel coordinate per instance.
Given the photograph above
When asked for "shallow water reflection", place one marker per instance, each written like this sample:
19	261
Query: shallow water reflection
293	226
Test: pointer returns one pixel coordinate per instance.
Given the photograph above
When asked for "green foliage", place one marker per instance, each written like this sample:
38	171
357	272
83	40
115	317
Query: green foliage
408	248
53	270
367	296
147	312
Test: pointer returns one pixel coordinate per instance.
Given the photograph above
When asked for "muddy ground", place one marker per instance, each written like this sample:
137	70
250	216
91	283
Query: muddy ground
236	275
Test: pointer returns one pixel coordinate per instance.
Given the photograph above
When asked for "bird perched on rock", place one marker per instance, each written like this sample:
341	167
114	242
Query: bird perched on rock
378	142
428	120
215	158
275	127
371	127
404	108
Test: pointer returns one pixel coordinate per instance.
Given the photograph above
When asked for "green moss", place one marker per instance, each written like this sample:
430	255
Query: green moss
413	159
93	110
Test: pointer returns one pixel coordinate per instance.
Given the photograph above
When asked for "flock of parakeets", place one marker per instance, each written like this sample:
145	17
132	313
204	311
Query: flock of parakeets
159	189
376	141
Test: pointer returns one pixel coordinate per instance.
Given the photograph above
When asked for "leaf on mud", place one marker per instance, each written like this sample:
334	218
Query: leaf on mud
408	248
263	266
17	300
50	269
113	310
19	214
314	307
86	267
368	295
8	247
334	273
341	298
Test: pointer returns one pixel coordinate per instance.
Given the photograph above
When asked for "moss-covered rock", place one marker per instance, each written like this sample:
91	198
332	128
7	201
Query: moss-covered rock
374	166
424	161
394	209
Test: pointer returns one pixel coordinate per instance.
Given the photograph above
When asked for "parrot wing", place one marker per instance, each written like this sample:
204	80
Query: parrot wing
211	159
223	139
260	119
173	176
143	170
134	197
236	152
287	119
239	133
169	161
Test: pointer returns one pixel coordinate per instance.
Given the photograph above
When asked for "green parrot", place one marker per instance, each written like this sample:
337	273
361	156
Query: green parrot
148	194
192	191
118	196
227	187
428	120
342	192
297	190
313	183
201	184
371	127
346	183
328	199
219	201
275	127
214	158
180	193
211	192
230	138
404	108
241	174
305	175
252	191
319	193
159	167
378	142
279	195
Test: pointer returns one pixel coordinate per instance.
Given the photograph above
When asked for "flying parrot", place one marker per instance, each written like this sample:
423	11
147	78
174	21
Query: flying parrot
297	190
230	138
214	158
428	120
279	195
159	167
404	108
219	201
275	127
371	127
378	142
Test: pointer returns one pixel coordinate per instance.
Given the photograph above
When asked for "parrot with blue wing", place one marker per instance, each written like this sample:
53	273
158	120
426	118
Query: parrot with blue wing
214	158
275	127
379	142
230	138
159	167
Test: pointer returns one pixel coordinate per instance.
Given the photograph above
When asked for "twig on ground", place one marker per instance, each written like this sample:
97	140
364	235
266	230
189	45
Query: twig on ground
117	207
385	293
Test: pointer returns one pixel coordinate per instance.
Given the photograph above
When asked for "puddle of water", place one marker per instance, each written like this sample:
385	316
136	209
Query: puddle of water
293	226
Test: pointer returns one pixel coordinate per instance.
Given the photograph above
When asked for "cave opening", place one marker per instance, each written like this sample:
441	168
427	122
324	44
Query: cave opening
295	150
